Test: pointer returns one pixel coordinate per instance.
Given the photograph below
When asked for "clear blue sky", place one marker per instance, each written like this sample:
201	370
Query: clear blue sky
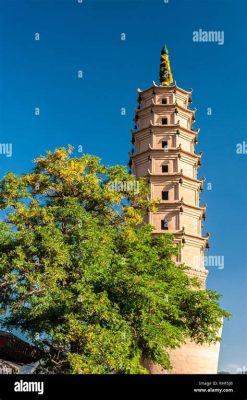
87	37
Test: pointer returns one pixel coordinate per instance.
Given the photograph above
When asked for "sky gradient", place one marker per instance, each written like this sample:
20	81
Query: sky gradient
87	112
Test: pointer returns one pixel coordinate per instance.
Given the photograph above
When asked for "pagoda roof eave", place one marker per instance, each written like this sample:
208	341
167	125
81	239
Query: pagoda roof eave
177	174
173	150
180	203
176	105
174	126
172	86
182	234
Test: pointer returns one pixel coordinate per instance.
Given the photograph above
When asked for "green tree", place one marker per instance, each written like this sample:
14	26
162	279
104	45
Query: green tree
83	277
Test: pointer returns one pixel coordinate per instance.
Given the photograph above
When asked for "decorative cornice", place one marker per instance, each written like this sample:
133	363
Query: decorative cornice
182	234
172	126
198	273
176	150
166	88
181	206
176	174
175	105
186	234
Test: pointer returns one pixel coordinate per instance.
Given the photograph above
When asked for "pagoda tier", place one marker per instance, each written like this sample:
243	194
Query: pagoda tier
176	160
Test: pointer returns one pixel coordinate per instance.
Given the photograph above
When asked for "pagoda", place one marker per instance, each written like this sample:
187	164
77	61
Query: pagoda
164	151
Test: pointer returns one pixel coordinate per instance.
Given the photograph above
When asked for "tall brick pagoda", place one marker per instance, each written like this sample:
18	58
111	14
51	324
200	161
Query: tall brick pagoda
164	151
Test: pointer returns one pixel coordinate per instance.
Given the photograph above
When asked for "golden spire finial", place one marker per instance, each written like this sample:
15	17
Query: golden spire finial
165	70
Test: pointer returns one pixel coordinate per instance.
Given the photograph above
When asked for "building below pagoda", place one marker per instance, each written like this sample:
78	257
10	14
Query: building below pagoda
15	354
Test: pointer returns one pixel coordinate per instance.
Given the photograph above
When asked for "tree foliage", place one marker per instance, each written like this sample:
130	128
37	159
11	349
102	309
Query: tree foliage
84	278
